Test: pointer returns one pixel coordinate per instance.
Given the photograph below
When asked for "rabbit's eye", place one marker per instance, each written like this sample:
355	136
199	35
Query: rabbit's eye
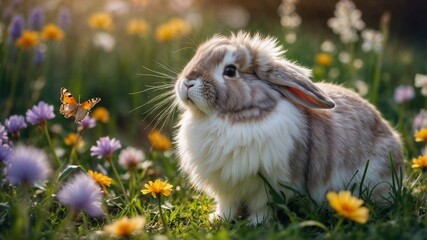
230	71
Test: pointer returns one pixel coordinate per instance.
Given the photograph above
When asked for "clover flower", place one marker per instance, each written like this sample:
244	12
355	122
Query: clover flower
36	18
421	82
420	120
420	162
3	134
87	123
372	41
125	227
348	206
16	27
28	39
52	32
27	165
403	93
15	123
5	152
157	187
347	21
131	157
40	113
105	147
159	141
82	194
421	135
64	18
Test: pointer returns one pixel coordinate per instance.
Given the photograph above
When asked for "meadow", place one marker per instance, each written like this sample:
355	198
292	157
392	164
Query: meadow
115	174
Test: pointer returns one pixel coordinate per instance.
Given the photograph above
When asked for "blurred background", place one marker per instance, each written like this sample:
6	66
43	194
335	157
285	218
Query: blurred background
128	52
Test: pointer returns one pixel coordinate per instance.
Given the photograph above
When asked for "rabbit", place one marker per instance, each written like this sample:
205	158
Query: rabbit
246	110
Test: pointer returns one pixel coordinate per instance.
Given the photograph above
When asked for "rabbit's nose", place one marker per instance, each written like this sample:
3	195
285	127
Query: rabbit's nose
188	84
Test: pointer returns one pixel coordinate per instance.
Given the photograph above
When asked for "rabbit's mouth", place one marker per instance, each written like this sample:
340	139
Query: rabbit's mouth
190	92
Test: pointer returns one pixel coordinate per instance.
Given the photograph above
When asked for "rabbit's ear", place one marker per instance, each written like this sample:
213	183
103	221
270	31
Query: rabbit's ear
293	82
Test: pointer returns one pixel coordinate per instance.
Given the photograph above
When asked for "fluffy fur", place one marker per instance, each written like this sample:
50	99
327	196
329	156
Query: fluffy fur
269	118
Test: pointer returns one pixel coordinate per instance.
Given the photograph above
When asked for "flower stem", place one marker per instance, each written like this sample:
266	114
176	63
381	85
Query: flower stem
165	227
110	159
46	131
337	227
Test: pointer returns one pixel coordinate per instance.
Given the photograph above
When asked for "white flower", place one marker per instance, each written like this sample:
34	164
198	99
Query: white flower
327	46
288	16
105	41
347	21
344	57
372	41
291	37
421	81
131	157
361	87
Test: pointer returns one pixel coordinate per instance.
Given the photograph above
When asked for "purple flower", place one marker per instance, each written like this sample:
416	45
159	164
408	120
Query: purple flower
39	55
420	120
15	123
27	165
36	18
40	113
105	147
404	93
82	193
87	122
3	135
64	18
131	157
16	27
5	151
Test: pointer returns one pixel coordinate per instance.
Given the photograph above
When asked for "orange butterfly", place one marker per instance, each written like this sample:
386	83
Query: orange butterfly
70	107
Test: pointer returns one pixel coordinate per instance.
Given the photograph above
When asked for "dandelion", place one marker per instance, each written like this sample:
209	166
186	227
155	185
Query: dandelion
87	123
101	20
14	124
16	27
105	147
125	227
137	27
28	39
36	18
348	206
105	41
323	59
403	93
157	187
159	141
420	162
40	113
64	18
101	114
372	41
102	180
82	194
131	157
347	21
27	165
421	135
52	32
421	82
172	29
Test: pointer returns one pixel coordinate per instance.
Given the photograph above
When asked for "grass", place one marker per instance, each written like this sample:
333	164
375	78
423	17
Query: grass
137	62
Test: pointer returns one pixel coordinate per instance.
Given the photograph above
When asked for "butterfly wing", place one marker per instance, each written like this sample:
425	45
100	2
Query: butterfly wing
84	108
69	105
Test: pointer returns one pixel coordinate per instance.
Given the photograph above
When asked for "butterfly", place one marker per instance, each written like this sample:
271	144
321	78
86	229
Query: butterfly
70	107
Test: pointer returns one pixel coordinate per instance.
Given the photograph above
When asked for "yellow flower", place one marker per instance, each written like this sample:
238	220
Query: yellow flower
125	227
159	141
420	162
158	187
137	27
101	20
323	59
172	29
421	135
100	178
348	206
52	32
71	139
28	39
101	114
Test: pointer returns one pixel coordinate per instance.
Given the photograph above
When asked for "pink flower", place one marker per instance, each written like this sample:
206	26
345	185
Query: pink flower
404	93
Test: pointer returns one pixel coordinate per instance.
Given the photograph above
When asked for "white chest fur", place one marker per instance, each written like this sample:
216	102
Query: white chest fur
220	156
